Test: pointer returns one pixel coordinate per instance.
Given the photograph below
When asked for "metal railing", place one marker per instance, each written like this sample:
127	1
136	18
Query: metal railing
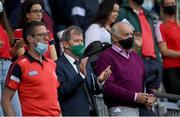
167	95
166	108
102	108
162	108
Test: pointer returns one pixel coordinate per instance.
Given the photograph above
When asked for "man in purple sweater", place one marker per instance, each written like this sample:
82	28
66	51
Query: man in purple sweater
123	90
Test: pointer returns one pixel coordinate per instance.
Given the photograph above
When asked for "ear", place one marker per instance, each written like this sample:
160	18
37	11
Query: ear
30	39
65	44
114	38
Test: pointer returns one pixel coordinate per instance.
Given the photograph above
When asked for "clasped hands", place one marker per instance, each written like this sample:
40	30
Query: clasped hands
147	99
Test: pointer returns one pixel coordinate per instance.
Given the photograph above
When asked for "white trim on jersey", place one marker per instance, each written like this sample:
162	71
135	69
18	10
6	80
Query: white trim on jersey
14	78
158	32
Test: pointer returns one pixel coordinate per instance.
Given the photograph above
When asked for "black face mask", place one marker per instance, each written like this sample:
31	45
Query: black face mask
127	43
139	2
170	10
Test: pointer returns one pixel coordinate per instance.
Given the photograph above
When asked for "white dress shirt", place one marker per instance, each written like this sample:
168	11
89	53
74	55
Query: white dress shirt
72	60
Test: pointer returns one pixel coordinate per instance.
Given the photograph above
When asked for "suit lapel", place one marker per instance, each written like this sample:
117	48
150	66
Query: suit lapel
69	66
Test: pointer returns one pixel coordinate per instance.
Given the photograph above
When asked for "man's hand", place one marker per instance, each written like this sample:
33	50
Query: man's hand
141	98
82	65
104	74
18	48
150	101
19	44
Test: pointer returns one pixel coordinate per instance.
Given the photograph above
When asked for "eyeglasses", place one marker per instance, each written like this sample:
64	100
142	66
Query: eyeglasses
37	11
41	35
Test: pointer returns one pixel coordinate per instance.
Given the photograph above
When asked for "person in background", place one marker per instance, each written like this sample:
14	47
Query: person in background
32	11
6	39
78	82
47	7
124	89
33	76
146	44
83	12
167	33
106	15
154	8
61	13
14	9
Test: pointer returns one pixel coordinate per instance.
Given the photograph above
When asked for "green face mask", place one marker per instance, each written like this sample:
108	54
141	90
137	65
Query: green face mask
78	50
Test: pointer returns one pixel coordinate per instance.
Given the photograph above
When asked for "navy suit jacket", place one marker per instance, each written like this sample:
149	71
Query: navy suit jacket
72	97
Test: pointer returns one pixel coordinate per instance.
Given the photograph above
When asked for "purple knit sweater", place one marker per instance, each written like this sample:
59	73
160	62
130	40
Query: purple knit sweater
126	78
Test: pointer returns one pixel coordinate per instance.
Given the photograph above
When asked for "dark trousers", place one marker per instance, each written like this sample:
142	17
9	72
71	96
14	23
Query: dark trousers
171	80
153	70
143	111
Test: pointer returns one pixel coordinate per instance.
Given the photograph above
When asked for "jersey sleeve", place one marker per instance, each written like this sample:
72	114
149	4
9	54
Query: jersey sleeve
160	32
14	77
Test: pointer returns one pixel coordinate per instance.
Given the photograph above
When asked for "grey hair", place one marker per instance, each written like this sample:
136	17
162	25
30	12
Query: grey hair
125	21
66	36
114	29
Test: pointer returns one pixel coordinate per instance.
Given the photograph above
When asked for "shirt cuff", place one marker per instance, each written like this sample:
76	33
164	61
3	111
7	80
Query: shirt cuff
100	84
83	76
135	97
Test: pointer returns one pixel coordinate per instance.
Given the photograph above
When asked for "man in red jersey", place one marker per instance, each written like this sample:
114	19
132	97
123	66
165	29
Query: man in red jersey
33	76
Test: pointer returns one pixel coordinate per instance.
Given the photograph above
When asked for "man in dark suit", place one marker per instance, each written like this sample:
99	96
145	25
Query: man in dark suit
77	81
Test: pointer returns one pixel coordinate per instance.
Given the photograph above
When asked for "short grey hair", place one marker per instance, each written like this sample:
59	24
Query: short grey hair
125	21
114	29
66	36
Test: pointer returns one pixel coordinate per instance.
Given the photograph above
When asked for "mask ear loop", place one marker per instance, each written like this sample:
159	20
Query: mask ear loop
1	7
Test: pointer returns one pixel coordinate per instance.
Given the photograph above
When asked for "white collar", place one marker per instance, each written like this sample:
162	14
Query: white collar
70	59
